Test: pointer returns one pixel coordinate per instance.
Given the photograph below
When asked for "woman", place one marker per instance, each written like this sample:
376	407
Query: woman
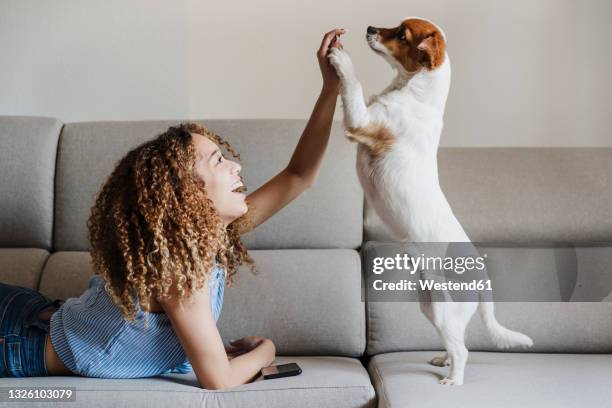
165	238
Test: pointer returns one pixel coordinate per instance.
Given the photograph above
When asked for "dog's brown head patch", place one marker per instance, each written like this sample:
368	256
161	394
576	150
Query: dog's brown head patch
415	44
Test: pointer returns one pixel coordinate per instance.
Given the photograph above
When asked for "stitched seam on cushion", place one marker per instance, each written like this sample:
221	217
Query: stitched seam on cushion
368	321
54	218
371	341
364	344
365	306
42	270
383	391
368	387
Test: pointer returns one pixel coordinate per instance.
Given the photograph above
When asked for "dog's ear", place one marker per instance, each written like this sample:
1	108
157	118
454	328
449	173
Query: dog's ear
431	51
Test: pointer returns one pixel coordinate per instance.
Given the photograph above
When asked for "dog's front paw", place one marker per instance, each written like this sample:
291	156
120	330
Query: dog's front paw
450	381
341	61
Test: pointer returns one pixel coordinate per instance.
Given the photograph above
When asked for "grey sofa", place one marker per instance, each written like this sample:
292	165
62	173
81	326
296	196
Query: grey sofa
307	295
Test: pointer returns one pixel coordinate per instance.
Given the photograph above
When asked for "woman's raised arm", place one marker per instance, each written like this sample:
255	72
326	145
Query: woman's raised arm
306	160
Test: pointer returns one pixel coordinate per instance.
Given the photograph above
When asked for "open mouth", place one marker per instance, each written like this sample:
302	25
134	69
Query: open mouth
374	44
238	187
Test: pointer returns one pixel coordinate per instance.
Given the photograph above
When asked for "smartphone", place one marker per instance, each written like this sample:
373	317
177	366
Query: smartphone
279	371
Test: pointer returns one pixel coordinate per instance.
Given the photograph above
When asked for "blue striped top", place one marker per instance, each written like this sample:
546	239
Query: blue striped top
92	338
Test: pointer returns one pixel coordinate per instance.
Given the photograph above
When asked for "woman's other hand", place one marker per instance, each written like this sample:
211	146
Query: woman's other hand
330	40
244	345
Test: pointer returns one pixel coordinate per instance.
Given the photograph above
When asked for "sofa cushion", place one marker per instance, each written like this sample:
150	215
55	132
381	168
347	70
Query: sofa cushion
520	195
66	274
501	380
307	301
22	266
328	215
27	165
333	382
593	278
577	319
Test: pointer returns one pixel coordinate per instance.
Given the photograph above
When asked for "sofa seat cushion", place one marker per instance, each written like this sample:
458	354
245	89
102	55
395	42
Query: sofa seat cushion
333	382
493	380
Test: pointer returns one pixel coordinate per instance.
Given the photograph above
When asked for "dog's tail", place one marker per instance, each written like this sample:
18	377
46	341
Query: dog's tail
502	337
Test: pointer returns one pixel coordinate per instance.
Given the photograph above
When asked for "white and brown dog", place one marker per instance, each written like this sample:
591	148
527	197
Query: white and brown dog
398	134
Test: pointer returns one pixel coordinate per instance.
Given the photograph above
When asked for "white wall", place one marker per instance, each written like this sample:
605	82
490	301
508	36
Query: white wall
525	73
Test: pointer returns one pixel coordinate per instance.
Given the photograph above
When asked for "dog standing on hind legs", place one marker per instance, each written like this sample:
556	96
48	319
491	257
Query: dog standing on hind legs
398	134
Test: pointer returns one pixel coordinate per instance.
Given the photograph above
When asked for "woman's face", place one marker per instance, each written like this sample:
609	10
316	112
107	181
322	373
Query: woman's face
221	176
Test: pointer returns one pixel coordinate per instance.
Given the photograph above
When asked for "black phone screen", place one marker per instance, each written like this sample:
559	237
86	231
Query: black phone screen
281	370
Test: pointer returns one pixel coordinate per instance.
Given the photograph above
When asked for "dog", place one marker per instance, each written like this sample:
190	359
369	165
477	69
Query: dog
398	133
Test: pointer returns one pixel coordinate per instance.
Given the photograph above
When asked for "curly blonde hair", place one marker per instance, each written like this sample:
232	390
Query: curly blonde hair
153	224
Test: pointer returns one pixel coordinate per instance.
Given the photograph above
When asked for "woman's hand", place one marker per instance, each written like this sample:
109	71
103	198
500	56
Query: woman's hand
243	345
330	40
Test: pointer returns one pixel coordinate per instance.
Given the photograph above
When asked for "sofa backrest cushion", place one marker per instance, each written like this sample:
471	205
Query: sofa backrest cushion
523	194
328	215
27	164
308	301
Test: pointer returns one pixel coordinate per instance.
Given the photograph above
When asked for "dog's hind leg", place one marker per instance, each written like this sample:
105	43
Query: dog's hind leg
451	320
427	309
454	341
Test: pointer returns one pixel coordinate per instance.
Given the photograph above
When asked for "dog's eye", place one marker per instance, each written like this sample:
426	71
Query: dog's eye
401	36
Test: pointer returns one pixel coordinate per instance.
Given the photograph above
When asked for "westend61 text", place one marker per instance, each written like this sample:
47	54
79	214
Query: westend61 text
429	284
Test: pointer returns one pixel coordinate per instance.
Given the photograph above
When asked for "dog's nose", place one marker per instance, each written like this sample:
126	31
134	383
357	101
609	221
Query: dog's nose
372	30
